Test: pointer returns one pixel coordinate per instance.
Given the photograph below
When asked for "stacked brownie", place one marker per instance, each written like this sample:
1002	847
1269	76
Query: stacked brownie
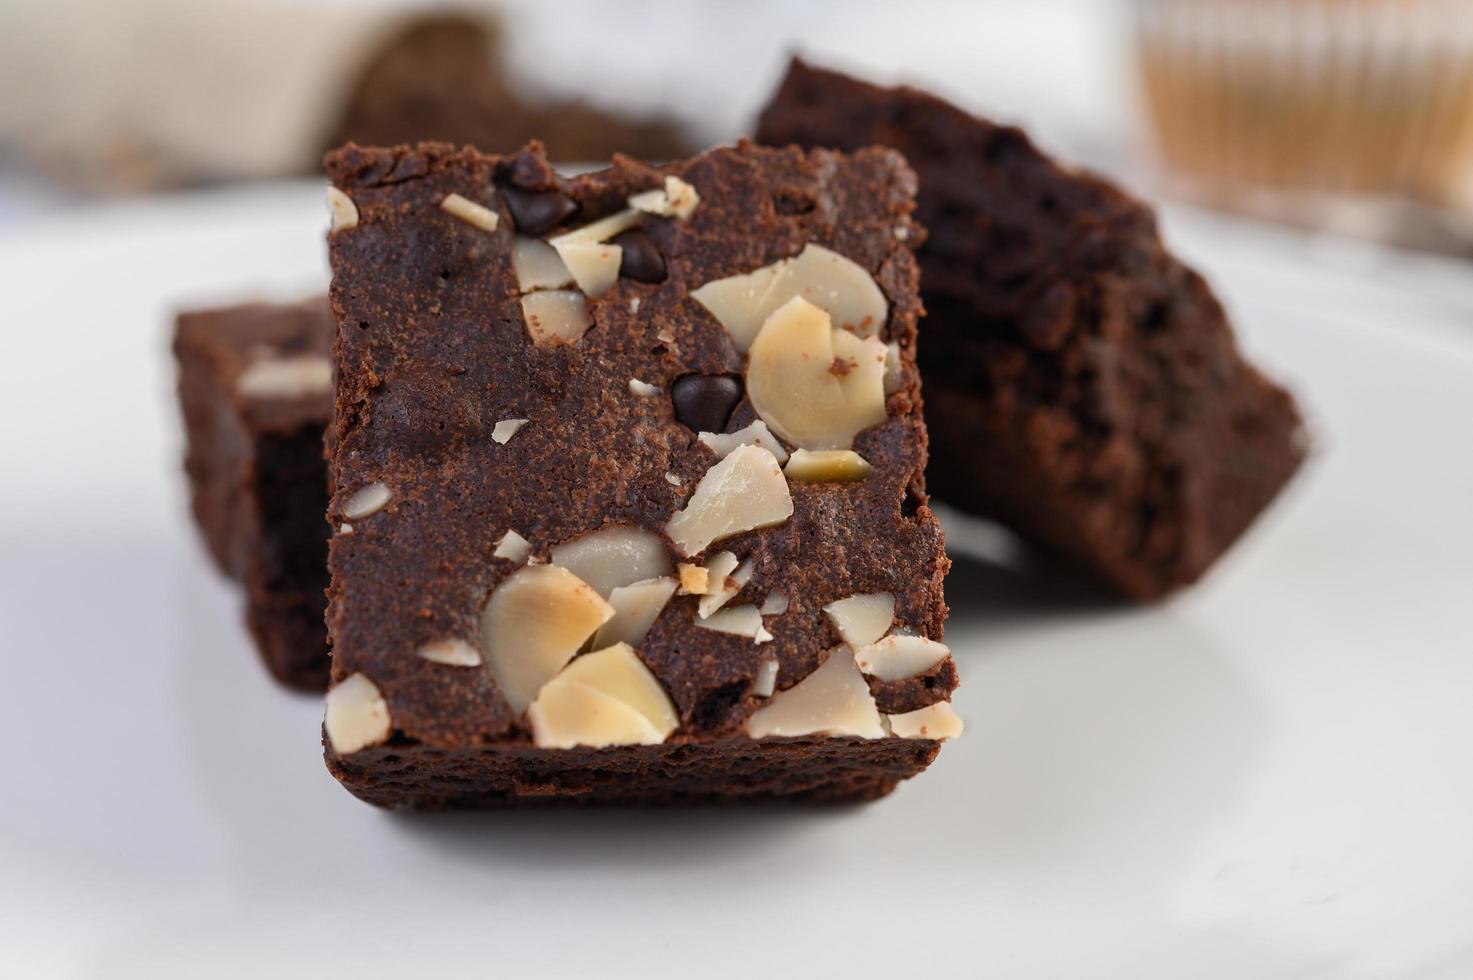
255	385
629	497
1082	385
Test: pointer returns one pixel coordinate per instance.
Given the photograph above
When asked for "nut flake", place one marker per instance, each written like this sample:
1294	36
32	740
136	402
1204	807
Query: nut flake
643	388
513	547
935	721
357	715
862	619
755	434
826	466
532	625
614	556
538	266
742	492
556	316
677	200
502	431
299	376
896	658
470	212
793	387
835	284
366	500
636	607
343	213
453	652
833	700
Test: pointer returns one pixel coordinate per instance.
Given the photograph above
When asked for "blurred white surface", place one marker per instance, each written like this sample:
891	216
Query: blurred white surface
1266	778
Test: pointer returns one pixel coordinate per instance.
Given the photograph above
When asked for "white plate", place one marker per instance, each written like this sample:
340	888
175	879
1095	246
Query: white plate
1267	777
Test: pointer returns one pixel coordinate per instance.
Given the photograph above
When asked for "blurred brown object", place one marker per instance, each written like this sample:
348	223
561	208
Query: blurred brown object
1353	114
440	78
157	93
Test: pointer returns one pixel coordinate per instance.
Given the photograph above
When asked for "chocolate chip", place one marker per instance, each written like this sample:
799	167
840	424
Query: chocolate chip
704	402
538	212
642	261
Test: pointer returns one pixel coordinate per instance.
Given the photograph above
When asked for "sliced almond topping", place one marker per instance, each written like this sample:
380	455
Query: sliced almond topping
673	480
813	385
357	715
827	466
502	431
833	700
766	680
724	582
533	624
755	434
677	200
341	210
826	279
746	490
636	607
601	230
862	619
454	652
513	547
538	266
366	500
775	604
693	579
568	715
936	721
643	388
892	368
618	672
556	316
738	621
470	212
897	657
594	265
299	376
614	556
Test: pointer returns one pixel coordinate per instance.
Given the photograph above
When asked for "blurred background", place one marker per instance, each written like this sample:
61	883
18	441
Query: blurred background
1352	117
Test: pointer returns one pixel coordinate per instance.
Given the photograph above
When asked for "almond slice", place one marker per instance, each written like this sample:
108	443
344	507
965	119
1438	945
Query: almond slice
744	491
723	582
568	715
594	265
357	715
533	624
815	386
862	619
833	700
556	316
615	556
618	672
897	657
754	434
538	266
936	721
826	466
636	607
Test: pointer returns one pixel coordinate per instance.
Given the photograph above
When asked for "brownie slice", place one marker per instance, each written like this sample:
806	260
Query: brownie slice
255	385
1082	385
669	416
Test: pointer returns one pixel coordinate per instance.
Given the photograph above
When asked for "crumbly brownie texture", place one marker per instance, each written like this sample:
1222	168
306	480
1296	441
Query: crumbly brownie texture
255	384
548	440
1082	385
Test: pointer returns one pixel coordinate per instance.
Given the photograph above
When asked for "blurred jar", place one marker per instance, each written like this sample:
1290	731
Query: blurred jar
1343	98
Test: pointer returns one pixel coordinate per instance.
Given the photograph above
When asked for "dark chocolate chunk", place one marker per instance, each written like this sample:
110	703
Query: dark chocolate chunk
641	260
704	402
538	212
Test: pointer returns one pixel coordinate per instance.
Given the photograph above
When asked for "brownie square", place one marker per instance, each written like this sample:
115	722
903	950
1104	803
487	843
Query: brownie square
255	386
580	556
1082	385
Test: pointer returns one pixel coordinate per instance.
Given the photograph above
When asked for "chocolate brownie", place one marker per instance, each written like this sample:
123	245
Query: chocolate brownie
1082	385
255	384
668	415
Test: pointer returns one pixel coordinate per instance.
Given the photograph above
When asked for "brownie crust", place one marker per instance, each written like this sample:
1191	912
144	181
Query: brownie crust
257	476
432	351
1082	385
